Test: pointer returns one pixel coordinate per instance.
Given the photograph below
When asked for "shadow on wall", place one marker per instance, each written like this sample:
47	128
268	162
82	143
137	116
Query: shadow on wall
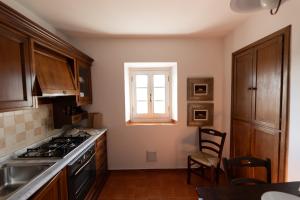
189	145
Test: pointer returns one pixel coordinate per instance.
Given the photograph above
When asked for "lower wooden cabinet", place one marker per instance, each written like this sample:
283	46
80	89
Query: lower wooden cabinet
56	189
101	168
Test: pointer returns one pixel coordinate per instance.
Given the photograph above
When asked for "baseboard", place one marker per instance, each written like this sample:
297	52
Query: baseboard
154	170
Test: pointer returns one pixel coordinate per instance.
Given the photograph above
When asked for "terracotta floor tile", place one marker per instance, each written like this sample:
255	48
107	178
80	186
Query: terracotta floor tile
151	185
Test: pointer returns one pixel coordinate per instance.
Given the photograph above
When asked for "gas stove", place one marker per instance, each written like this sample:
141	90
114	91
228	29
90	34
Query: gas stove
57	147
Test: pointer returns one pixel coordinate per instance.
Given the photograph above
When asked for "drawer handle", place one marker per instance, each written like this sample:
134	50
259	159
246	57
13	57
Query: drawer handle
85	164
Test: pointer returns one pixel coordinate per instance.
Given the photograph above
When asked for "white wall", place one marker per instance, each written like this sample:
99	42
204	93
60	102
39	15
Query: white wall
127	145
252	30
31	15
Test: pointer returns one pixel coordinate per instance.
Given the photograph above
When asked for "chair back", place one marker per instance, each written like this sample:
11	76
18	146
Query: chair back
210	144
246	162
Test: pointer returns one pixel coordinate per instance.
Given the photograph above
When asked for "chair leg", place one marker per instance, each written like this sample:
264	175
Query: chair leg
202	170
217	175
212	174
189	170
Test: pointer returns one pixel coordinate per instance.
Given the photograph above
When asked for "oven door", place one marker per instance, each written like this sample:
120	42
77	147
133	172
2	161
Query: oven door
81	180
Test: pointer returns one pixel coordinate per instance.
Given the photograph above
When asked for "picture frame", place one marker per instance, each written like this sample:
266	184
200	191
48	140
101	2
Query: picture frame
200	114
200	89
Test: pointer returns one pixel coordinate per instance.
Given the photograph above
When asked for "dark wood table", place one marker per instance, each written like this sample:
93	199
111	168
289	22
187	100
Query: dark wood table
245	192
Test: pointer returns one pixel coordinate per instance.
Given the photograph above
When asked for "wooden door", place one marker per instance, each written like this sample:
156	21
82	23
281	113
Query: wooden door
15	70
268	100
260	102
267	86
266	144
243	81
242	109
241	137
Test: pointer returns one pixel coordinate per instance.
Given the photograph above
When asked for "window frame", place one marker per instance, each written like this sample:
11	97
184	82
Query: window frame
150	116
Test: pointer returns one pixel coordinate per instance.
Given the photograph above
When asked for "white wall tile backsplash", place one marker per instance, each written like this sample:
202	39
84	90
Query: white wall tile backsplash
22	128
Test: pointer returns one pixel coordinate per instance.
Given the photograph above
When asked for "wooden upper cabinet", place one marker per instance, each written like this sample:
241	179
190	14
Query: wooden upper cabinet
15	71
35	62
84	83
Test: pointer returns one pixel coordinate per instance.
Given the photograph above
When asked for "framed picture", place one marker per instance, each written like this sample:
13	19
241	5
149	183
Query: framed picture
200	89
200	114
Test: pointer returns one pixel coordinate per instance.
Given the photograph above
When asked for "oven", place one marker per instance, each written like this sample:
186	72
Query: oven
81	174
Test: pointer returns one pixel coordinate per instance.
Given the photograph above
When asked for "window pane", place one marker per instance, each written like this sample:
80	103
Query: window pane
141	107
159	80
159	107
141	94
141	80
159	94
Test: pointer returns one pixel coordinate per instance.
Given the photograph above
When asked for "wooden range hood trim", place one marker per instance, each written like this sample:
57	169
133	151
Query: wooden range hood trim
18	21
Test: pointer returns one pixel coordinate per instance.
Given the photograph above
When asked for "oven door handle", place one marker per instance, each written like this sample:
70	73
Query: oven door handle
85	164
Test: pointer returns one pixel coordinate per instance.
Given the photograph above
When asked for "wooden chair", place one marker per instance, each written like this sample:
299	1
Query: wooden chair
242	162
209	155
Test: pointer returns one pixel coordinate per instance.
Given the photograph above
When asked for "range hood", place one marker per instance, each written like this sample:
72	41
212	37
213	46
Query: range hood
55	75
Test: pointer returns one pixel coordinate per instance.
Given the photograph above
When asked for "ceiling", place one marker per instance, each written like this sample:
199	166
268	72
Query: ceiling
138	18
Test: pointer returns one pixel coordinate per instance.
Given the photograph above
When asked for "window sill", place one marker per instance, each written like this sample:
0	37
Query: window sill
130	123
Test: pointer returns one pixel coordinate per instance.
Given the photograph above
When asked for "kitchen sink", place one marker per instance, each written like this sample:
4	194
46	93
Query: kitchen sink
15	175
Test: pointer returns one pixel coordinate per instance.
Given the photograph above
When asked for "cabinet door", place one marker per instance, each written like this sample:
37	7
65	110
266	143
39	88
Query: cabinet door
84	83
54	74
15	72
55	189
268	83
242	83
241	143
266	144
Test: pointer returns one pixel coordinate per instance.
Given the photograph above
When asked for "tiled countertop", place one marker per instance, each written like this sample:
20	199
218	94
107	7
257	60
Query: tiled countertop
34	185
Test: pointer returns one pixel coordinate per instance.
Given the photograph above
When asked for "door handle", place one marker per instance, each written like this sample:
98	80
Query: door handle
252	88
85	164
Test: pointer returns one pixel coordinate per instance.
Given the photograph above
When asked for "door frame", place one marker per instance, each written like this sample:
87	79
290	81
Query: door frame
284	124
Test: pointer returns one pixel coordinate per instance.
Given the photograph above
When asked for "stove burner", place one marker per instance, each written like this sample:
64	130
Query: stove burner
57	147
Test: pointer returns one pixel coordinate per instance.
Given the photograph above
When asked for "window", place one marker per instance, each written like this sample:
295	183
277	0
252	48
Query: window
150	92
